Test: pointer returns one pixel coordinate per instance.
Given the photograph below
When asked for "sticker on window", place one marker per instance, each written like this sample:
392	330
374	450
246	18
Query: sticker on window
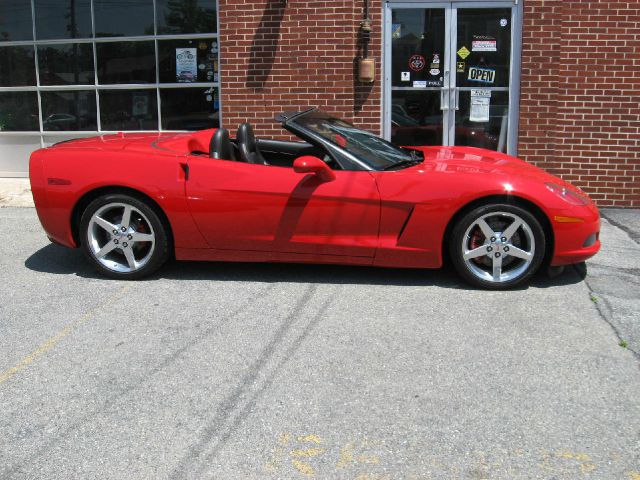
480	93
417	63
420	84
463	53
405	76
482	75
484	43
396	30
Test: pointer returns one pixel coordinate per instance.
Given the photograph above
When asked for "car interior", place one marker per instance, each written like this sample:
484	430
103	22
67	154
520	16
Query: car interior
247	148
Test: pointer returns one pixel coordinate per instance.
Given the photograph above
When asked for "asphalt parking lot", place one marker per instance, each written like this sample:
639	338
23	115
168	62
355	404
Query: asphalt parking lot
231	371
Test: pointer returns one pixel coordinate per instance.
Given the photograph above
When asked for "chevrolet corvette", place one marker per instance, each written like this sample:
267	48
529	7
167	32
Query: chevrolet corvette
338	194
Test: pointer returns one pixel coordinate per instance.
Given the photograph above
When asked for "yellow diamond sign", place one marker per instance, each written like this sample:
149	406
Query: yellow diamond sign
463	53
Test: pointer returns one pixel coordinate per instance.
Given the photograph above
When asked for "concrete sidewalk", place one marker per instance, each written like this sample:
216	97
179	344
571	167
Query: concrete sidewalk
15	192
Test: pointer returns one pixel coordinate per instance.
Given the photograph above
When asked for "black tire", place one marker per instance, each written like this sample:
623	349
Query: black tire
527	242
151	249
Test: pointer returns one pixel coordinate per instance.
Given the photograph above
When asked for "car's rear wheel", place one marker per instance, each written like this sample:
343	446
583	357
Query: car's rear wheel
497	246
123	236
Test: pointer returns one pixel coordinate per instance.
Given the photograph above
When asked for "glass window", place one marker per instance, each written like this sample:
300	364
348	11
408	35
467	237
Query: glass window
128	110
187	61
416	118
124	18
126	62
418	46
486	34
68	111
17	68
189	108
19	111
15	20
193	16
63	19
66	64
489	132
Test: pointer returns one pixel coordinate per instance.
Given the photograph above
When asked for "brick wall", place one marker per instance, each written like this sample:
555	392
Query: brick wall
277	55
580	108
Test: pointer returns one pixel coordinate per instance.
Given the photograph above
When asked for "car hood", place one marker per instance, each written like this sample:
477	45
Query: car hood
485	166
477	161
460	174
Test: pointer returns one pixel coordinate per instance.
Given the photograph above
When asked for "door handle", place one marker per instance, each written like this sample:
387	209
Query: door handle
456	93
444	102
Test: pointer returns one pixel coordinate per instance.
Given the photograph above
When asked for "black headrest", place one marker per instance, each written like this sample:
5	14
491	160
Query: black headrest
220	146
247	145
245	135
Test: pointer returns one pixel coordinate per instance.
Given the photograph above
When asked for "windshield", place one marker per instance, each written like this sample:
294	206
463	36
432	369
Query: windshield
375	152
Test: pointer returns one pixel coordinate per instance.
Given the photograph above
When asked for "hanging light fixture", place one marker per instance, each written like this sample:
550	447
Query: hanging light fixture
366	65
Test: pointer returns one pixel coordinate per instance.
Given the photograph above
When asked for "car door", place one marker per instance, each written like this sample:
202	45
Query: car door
240	206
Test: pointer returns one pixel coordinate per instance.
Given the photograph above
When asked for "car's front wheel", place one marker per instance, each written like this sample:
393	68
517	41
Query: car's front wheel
497	246
123	236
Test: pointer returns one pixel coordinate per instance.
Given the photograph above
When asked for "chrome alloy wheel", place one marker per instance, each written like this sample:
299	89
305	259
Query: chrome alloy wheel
498	247
121	237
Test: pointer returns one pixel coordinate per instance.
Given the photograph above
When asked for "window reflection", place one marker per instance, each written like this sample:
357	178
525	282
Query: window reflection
68	64
19	111
126	62
203	67
17	67
192	16
63	19
416	118
490	134
128	110
123	18
486	33
189	108
65	111
15	20
418	47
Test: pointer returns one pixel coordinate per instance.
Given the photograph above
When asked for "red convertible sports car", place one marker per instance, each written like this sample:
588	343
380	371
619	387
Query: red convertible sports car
341	195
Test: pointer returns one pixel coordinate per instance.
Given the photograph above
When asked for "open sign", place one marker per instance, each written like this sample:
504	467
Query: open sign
484	75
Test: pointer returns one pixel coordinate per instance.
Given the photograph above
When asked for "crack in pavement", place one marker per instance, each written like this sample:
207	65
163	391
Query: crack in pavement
632	235
612	285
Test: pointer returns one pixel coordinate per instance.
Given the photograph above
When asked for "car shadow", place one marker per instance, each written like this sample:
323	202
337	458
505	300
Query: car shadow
54	259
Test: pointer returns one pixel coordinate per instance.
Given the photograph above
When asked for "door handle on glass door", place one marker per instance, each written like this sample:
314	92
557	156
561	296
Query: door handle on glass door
444	100
457	93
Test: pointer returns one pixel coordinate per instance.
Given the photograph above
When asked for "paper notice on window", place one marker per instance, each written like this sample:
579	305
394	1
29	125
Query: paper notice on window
480	104
480	92
186	65
140	107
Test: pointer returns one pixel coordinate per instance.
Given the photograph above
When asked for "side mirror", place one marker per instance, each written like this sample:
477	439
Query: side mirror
310	164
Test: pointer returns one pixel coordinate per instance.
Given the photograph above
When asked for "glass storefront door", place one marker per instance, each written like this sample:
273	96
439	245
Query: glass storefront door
449	69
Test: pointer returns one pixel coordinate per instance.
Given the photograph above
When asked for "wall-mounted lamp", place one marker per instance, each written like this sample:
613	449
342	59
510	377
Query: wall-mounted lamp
366	65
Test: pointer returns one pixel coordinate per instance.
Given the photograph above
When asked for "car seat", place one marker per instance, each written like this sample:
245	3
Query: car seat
248	147
220	146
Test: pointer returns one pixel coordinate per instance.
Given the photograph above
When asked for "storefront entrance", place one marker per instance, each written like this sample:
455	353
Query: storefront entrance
452	73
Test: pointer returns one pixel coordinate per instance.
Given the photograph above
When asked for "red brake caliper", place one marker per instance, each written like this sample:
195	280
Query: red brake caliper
477	240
